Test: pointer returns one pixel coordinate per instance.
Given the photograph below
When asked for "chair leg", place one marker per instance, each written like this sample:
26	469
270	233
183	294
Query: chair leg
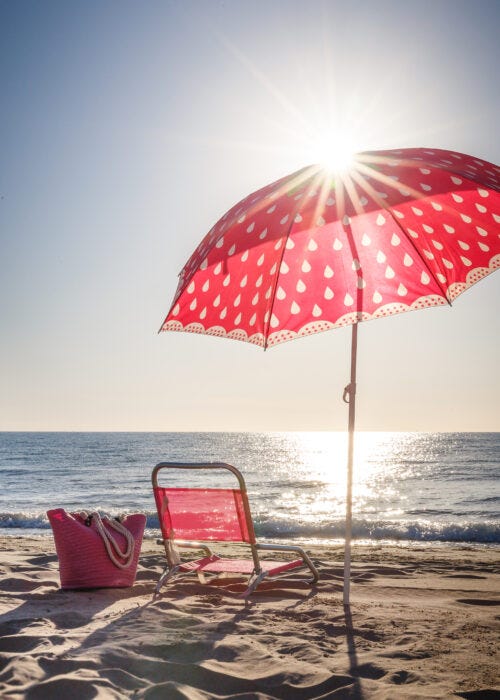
254	581
167	574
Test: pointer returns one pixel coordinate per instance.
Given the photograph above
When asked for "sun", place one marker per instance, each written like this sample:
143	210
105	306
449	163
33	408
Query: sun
335	151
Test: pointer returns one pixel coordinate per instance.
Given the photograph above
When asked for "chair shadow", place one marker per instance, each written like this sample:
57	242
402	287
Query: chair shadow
183	639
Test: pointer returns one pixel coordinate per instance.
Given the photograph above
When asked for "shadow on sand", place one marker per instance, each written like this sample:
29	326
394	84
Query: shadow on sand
193	642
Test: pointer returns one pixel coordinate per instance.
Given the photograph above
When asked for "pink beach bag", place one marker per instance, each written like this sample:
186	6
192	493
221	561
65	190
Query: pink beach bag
95	551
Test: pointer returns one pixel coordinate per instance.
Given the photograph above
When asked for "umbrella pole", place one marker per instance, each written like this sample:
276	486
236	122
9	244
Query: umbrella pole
350	398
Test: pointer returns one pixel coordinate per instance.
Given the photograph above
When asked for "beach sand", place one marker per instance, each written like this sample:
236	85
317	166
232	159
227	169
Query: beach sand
423	623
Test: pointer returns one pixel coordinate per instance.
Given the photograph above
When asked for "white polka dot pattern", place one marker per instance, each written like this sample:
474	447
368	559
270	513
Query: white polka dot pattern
402	230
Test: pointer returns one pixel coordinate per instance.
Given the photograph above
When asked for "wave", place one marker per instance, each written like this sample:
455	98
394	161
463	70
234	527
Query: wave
477	532
24	521
488	499
402	530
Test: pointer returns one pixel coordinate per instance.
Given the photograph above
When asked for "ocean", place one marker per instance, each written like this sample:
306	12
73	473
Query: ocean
418	487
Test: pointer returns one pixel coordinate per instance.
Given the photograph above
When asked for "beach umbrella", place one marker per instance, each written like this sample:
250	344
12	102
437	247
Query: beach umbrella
393	231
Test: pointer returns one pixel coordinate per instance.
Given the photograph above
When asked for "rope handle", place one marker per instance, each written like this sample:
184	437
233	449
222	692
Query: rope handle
110	543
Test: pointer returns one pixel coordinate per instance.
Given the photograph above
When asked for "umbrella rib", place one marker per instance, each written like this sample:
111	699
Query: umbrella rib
369	190
286	236
451	168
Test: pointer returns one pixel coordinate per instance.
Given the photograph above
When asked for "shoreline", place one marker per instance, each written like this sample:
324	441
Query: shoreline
314	543
423	623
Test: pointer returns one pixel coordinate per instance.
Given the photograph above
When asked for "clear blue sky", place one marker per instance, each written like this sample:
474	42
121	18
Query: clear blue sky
128	128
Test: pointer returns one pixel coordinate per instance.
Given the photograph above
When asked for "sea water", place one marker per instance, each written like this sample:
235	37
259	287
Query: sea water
423	487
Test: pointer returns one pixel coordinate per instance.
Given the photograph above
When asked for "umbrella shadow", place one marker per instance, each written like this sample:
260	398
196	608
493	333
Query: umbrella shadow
354	667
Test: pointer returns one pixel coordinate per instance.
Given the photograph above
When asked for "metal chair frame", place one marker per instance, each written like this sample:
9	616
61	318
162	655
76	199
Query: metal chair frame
175	566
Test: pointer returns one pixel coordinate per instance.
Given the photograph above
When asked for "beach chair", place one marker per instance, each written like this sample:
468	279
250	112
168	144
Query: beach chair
190	518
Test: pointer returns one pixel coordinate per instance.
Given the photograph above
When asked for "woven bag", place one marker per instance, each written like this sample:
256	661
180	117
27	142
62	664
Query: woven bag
96	552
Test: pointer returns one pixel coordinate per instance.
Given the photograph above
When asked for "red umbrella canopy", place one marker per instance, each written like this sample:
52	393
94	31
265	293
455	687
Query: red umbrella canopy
399	230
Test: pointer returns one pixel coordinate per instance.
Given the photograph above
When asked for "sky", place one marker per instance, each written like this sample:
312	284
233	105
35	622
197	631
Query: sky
128	128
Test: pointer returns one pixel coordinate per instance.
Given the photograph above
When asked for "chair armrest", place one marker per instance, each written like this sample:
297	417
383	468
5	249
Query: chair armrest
292	548
184	544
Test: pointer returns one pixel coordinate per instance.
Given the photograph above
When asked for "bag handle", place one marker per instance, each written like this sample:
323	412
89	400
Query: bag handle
109	541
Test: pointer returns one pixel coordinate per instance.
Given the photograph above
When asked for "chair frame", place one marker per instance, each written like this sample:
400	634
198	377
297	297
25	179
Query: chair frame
175	566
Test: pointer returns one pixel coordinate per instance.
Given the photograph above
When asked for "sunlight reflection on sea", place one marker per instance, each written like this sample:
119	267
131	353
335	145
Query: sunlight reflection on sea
407	486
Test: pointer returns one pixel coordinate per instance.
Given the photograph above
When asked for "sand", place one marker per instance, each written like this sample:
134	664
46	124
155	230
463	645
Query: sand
423	623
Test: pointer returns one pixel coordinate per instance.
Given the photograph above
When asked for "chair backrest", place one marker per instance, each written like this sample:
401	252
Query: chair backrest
203	514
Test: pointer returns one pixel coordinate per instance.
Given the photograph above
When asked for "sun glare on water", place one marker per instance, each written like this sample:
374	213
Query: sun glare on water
322	459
